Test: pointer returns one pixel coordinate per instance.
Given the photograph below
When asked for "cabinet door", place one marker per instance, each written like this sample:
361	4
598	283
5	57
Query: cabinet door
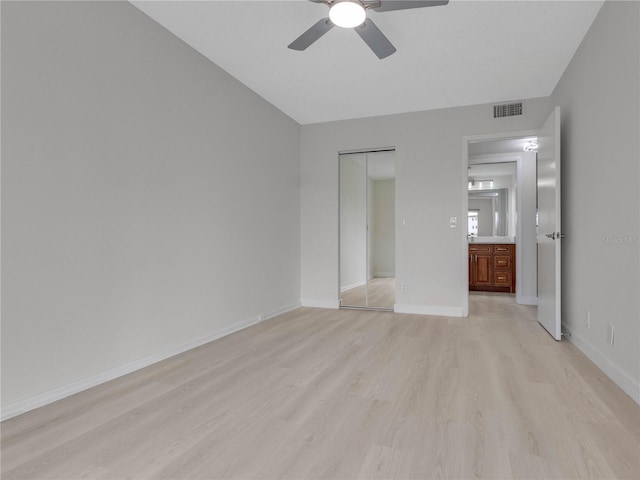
483	269
472	273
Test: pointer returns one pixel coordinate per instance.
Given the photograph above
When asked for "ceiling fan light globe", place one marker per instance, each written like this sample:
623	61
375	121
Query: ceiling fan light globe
347	13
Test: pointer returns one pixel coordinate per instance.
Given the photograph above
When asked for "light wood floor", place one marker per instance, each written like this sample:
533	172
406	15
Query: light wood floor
346	394
377	293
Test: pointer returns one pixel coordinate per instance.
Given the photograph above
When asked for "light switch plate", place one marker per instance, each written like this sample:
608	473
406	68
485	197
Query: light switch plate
453	222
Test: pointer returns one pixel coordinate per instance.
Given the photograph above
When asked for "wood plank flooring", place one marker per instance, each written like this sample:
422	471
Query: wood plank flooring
379	292
323	394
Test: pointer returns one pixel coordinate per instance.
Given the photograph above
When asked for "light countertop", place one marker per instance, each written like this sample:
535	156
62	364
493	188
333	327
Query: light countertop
492	240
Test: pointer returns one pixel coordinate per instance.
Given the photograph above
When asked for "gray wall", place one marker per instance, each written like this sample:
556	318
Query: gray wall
599	98
431	185
148	198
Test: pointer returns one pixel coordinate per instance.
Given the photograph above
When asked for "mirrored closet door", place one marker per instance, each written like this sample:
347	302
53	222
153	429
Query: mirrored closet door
367	230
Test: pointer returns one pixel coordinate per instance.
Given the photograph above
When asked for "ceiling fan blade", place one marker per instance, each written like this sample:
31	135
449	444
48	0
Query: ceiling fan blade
391	5
376	40
314	33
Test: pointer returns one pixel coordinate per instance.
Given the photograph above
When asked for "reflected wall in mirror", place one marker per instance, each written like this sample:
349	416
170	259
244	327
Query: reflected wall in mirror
492	200
367	230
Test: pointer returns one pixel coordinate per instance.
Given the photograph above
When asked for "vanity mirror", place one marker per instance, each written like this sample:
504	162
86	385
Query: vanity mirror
492	202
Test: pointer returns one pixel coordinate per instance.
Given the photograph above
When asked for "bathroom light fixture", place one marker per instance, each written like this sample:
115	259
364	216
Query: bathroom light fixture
347	13
530	146
476	184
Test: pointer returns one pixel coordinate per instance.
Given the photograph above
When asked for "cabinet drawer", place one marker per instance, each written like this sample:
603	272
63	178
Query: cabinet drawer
502	279
503	249
480	248
502	261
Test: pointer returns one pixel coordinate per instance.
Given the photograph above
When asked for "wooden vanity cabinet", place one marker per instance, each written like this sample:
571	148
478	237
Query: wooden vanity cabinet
492	267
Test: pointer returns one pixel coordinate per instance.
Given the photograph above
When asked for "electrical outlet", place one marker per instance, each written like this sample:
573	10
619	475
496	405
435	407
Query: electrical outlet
588	319
610	334
404	287
453	222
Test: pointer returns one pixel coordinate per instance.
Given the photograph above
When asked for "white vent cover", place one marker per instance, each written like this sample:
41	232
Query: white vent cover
507	110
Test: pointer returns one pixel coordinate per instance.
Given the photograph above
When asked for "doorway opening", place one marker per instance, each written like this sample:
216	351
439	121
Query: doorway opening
500	208
538	254
367	229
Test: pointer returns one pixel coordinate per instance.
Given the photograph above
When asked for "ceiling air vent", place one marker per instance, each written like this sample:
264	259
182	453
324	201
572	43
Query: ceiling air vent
507	110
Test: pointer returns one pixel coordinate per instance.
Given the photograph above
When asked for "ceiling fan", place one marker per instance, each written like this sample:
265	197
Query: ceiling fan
353	14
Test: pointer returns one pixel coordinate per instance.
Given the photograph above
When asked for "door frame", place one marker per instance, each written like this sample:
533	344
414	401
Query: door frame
500	158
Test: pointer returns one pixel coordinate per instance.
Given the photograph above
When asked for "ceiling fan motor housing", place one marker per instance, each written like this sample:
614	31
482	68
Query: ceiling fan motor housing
347	13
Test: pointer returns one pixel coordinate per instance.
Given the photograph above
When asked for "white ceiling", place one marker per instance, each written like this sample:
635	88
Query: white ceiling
491	170
465	53
493	147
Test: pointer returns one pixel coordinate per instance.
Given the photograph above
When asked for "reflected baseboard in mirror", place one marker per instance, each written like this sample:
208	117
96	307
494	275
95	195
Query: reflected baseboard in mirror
379	293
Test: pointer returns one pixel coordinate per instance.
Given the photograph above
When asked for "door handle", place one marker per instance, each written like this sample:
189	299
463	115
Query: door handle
555	235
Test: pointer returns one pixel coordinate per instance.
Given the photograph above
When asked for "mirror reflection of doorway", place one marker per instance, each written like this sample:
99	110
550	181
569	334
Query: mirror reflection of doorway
367	230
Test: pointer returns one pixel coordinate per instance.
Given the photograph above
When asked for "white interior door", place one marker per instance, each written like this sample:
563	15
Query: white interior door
549	235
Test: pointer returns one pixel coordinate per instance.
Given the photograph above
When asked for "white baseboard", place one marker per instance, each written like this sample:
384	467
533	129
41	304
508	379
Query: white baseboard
280	311
384	274
428	310
354	285
629	385
526	300
22	406
314	303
